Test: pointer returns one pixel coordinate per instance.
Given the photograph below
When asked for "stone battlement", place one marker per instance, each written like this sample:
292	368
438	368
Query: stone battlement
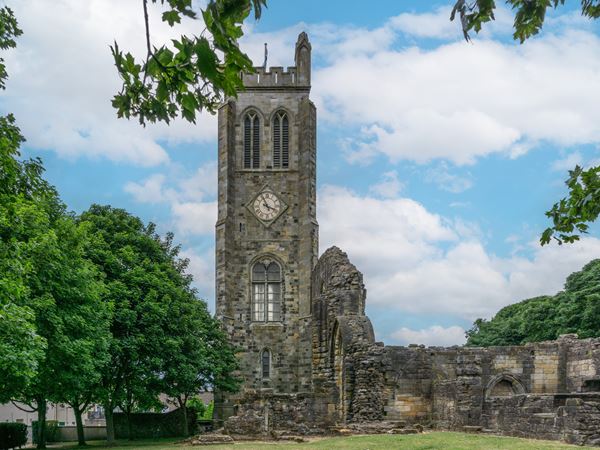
274	77
297	76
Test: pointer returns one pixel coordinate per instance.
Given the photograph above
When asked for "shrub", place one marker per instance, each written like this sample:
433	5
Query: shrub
12	435
51	431
208	413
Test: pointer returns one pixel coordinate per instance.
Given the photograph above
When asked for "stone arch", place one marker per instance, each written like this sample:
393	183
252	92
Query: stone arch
504	385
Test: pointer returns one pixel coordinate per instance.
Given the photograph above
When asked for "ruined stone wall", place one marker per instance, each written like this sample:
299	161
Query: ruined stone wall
347	362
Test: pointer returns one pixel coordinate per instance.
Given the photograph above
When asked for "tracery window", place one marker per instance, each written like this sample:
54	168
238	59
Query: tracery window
266	292
251	141
265	363
281	141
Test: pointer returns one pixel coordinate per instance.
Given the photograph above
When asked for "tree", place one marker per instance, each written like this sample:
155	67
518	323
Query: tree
529	14
162	337
197	356
21	189
196	74
574	310
65	296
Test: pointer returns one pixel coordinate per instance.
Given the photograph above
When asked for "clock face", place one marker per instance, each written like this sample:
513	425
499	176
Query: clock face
267	206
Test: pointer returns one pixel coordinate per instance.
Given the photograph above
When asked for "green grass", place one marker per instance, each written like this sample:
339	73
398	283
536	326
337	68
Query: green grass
426	441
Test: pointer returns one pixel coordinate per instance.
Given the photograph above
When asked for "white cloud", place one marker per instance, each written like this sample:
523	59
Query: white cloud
419	262
151	190
202	268
568	162
447	181
432	336
61	82
434	24
191	198
389	186
195	218
460	102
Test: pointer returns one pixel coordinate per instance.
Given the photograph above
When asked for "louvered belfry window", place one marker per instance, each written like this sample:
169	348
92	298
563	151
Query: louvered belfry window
251	141
266	292
281	141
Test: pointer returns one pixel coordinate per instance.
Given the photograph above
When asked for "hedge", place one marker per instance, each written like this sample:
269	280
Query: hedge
12	435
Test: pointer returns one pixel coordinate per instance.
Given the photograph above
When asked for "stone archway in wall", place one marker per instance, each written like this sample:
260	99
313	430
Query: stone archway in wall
504	385
337	353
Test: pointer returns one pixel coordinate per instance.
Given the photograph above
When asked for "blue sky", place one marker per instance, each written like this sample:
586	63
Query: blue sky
436	158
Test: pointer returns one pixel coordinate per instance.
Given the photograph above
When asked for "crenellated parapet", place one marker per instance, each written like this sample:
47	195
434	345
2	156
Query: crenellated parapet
277	77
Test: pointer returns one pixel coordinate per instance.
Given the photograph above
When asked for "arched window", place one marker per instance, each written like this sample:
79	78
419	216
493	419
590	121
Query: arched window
281	141
266	292
265	364
251	141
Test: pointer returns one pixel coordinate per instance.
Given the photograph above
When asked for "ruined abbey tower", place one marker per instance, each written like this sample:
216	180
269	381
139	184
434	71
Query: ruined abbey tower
308	357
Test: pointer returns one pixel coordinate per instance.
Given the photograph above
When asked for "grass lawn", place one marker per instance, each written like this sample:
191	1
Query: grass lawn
426	441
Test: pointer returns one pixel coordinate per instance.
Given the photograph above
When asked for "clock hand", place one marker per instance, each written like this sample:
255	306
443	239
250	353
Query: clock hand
266	205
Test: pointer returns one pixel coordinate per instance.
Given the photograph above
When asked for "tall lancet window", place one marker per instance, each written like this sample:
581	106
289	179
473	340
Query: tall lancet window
266	292
251	141
281	141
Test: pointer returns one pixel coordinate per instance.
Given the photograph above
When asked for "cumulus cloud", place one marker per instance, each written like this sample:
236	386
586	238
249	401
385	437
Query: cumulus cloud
434	335
419	262
202	268
568	162
389	186
61	82
460	102
446	180
190	198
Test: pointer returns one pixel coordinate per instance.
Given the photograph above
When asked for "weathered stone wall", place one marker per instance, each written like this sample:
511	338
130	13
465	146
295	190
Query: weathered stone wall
347	362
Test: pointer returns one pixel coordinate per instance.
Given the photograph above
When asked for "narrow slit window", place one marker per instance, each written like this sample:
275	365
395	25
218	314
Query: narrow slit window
265	361
281	154
251	141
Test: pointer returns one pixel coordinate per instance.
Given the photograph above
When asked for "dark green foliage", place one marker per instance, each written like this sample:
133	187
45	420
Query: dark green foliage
9	30
529	14
582	204
51	431
195	74
574	310
12	435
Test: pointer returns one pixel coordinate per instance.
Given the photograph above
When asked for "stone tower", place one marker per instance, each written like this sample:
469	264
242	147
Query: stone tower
267	232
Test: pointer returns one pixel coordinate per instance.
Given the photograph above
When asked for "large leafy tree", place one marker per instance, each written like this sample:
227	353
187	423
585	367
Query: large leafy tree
23	193
65	291
574	310
196	73
162	337
197	356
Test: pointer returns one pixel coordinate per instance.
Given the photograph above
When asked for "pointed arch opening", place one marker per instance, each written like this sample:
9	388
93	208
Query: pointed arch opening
251	140
281	140
266	291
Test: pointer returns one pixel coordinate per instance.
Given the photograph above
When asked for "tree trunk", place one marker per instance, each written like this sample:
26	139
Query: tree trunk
110	424
41	437
129	427
79	422
186	428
